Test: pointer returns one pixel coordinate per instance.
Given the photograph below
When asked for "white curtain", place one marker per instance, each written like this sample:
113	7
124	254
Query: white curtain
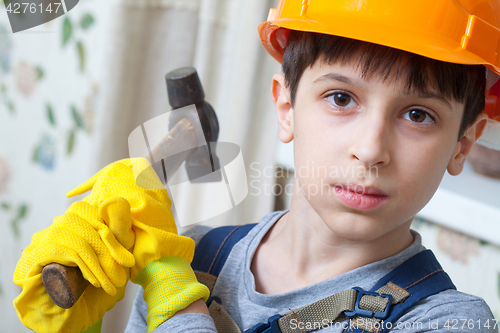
219	38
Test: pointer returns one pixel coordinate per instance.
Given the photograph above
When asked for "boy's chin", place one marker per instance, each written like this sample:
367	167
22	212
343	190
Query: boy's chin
364	228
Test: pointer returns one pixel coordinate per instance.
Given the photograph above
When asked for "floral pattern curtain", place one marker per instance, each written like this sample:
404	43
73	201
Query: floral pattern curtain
49	93
73	89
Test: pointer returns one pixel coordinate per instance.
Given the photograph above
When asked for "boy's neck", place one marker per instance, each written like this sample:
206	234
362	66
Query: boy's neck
301	250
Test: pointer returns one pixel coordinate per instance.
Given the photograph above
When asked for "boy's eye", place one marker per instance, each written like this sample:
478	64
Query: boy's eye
418	116
342	99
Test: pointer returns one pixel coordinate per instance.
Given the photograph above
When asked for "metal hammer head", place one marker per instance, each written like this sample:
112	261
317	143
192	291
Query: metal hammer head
184	88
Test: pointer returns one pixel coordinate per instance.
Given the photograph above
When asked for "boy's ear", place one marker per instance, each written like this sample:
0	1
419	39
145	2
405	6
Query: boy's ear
281	98
464	145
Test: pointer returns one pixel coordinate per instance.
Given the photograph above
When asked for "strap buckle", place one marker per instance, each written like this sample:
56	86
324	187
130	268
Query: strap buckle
367	313
270	327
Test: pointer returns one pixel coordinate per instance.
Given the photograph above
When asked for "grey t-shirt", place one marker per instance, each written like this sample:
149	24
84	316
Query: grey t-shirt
447	311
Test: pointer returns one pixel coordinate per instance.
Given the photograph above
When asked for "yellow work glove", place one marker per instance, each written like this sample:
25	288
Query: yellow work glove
126	219
162	257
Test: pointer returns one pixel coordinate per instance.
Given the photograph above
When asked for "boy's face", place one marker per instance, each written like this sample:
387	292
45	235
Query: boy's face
368	155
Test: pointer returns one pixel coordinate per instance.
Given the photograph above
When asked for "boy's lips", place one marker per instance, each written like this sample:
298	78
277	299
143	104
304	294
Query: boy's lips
360	197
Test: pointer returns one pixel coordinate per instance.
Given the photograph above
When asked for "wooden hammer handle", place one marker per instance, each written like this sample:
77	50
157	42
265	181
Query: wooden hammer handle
64	284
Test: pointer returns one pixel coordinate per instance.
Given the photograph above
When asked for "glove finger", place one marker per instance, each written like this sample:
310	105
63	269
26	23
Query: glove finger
85	186
153	206
115	212
35	257
83	220
122	183
72	241
107	170
67	247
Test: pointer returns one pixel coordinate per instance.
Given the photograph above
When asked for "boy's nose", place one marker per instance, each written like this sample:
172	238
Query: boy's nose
370	144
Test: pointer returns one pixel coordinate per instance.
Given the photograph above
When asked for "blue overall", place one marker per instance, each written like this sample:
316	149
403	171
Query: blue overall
421	275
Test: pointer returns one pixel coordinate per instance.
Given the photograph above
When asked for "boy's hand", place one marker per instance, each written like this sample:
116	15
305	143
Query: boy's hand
117	231
162	257
139	217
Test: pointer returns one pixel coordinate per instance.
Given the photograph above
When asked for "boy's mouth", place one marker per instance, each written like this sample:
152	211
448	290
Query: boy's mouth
360	197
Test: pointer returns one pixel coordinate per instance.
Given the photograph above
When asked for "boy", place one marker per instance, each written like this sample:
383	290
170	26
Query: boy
390	123
378	110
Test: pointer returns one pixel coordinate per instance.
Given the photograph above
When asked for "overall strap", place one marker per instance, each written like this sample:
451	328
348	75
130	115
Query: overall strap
209	257
418	277
213	249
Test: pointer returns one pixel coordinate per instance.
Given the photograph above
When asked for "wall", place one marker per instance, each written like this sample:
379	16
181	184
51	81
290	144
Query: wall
472	264
49	93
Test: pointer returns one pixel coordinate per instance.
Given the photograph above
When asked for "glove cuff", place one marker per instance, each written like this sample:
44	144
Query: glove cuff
170	285
148	249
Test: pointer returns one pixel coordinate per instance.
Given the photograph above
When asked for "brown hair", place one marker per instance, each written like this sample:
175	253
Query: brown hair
463	83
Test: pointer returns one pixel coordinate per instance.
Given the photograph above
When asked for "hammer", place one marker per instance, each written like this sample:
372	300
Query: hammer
66	284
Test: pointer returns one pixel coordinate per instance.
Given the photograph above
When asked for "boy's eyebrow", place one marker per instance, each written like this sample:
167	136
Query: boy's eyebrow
334	77
418	94
434	95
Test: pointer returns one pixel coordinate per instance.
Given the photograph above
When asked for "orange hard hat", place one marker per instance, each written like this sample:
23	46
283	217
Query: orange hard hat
457	31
